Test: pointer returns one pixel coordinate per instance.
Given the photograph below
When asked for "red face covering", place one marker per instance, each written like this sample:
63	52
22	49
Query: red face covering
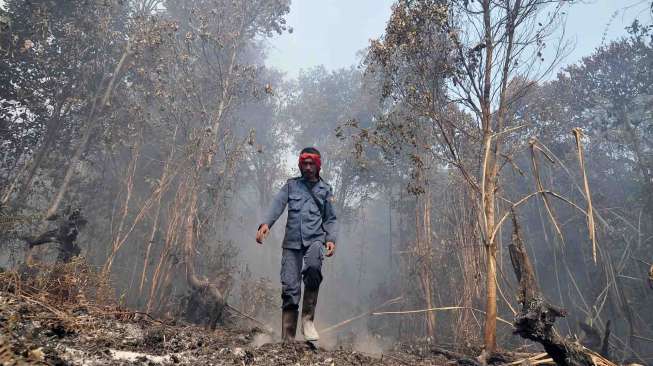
314	157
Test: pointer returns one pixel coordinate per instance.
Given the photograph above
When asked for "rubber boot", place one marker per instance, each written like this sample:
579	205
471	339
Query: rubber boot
308	315
289	324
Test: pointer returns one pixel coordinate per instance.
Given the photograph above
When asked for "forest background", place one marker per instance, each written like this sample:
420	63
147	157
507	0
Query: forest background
149	136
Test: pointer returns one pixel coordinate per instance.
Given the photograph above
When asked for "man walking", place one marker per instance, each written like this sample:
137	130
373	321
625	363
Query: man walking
311	226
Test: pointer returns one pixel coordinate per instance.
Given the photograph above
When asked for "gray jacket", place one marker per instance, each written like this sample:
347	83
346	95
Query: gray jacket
305	224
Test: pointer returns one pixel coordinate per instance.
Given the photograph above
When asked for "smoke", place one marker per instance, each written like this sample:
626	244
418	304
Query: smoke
261	339
385	213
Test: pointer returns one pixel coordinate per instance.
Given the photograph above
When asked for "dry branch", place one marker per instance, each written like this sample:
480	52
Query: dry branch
540	188
586	187
531	360
370	312
437	309
266	327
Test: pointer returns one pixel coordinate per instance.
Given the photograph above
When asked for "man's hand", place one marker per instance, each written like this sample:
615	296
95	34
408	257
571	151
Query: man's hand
262	233
331	248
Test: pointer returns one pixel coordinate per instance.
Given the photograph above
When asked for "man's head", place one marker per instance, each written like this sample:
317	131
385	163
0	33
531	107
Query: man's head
309	163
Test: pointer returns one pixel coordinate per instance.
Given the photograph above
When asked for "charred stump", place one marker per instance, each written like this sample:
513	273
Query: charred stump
204	293
64	235
204	305
605	345
595	340
536	319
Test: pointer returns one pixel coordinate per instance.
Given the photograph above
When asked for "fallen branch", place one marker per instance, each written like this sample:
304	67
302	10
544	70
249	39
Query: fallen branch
368	313
61	314
266	327
531	359
546	360
459	357
438	309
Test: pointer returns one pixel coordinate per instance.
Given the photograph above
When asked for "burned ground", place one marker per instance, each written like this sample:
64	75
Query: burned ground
34	332
50	317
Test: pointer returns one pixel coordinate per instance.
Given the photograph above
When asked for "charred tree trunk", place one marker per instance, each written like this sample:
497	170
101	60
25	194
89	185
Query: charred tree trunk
65	235
202	290
605	345
536	319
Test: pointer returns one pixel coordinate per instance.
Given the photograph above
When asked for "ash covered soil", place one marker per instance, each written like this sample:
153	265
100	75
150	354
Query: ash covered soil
35	332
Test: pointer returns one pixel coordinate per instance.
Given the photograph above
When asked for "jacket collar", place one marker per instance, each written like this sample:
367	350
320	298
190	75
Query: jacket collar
320	182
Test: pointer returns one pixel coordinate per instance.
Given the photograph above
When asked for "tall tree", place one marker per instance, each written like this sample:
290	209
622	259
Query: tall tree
64	63
442	56
217	33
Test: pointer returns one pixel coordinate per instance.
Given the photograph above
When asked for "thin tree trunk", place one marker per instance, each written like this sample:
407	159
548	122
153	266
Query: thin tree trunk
488	212
204	158
170	242
129	186
165	289
430	317
423	251
155	225
148	249
390	242
90	127
32	166
402	245
488	185
463	220
209	291
491	282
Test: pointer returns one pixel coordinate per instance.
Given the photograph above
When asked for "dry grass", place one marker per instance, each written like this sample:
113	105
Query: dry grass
62	285
65	290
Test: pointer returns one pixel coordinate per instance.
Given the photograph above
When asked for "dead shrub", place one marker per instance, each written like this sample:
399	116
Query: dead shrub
64	285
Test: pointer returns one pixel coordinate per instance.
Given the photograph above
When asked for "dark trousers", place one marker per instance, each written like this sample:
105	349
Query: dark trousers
295	264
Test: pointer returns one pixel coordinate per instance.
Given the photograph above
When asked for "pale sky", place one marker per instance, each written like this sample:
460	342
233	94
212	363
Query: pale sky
328	32
331	32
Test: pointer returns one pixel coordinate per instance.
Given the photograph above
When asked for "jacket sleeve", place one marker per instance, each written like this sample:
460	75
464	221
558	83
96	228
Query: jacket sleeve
330	224
278	205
